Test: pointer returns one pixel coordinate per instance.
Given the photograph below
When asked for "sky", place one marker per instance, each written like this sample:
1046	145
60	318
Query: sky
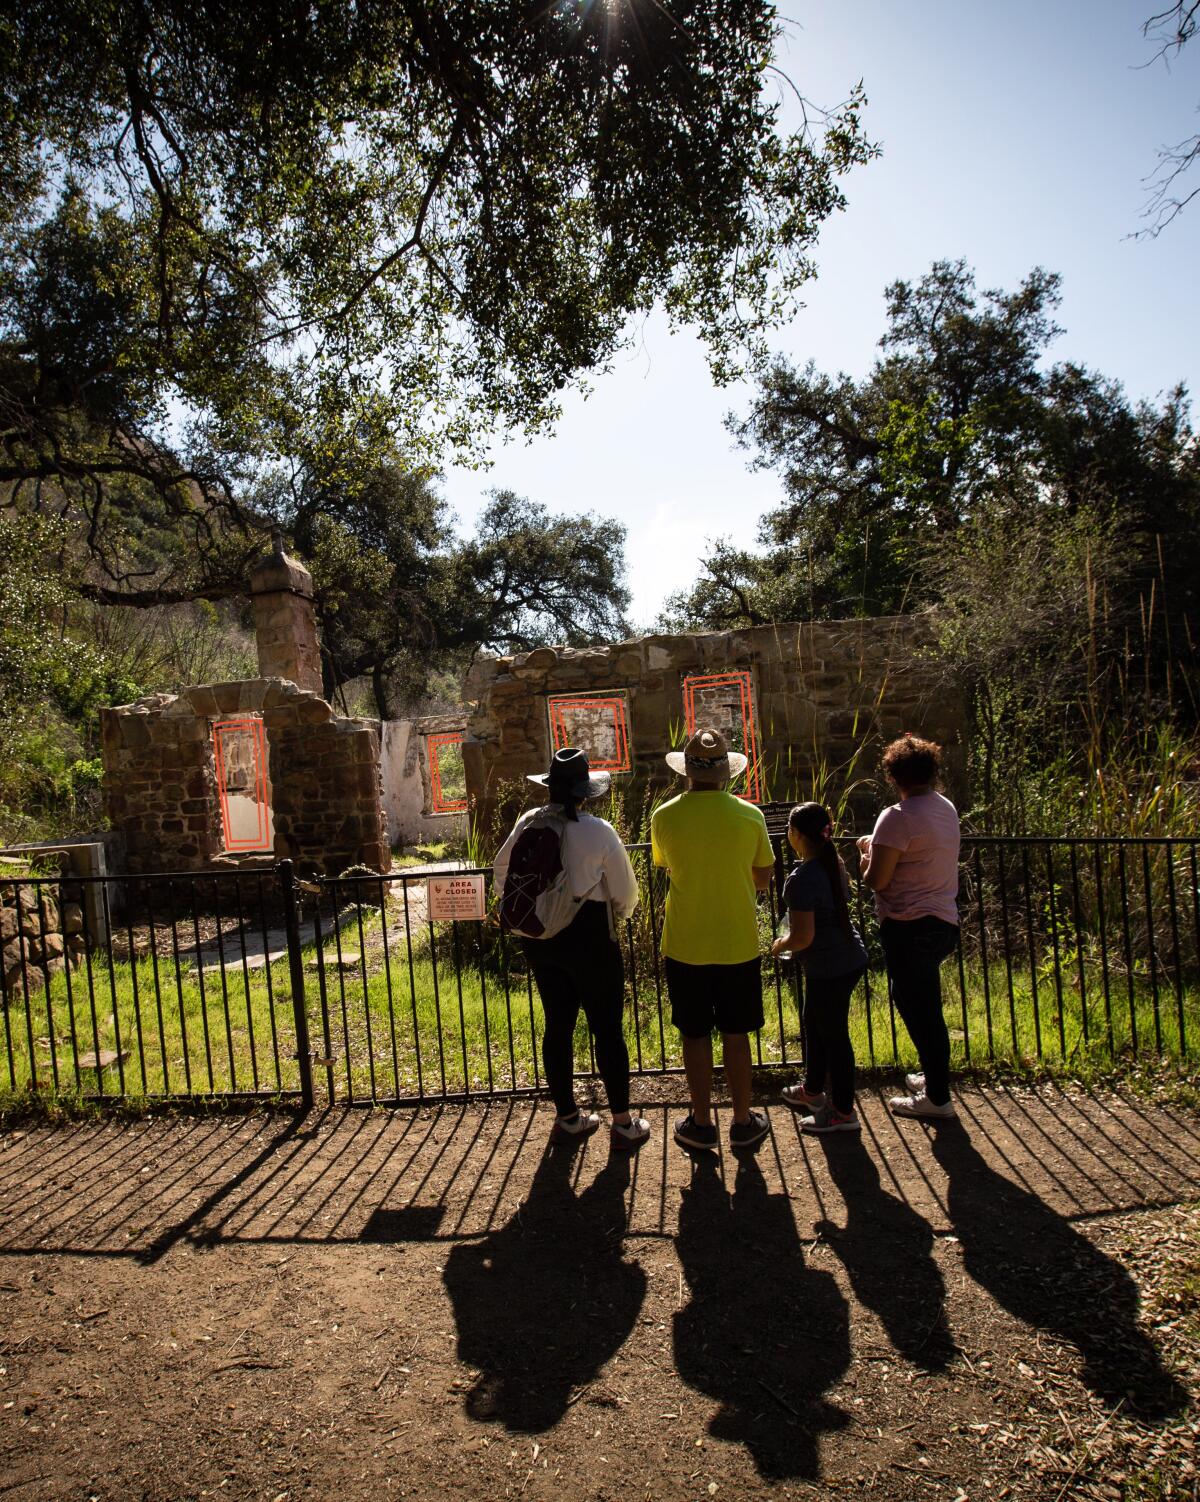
1014	135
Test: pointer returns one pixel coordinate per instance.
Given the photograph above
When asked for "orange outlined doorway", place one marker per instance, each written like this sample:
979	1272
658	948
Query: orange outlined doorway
447	776
725	702
597	724
240	757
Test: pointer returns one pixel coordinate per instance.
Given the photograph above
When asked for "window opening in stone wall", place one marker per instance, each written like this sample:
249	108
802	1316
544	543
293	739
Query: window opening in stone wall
595	723
725	702
240	754
447	776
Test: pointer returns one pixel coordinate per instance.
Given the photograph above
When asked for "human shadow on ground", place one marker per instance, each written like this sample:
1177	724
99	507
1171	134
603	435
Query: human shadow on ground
1046	1273
765	1333
544	1302
886	1249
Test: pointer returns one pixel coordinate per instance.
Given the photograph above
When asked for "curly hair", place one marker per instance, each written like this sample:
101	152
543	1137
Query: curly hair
911	762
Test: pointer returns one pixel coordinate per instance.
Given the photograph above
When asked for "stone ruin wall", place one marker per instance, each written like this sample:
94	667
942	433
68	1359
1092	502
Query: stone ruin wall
829	692
324	779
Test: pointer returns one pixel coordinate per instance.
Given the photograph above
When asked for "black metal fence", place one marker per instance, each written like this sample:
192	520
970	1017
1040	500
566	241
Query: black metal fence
253	983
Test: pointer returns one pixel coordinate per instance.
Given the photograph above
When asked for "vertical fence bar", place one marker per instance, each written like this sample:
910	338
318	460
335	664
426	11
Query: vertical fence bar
1152	945
291	917
412	987
456	952
341	970
483	1002
70	990
323	996
91	987
962	996
662	1037
173	903
387	971
158	1006
537	1078
983	952
241	931
1102	920
219	918
1004	928
633	987
1128	942
1081	968
1052	894
137	1000
45	962
112	988
437	997
6	1002
23	961
366	990
867	998
1032	948
268	966
1195	900
1173	907
502	946
200	983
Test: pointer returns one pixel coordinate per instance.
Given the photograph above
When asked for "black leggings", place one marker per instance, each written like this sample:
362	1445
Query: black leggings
582	966
915	949
827	1047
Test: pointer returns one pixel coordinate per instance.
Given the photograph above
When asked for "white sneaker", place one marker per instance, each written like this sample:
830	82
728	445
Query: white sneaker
574	1128
625	1136
915	1083
919	1104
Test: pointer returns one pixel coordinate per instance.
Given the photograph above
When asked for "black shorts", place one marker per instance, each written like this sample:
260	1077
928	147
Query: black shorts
725	997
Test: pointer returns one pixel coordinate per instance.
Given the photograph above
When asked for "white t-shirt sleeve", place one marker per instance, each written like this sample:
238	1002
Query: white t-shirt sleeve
619	877
891	829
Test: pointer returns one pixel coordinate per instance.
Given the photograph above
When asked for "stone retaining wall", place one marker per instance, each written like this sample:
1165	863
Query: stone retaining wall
39	935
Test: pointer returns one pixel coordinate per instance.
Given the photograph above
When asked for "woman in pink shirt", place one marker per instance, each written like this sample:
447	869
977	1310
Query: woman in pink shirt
910	862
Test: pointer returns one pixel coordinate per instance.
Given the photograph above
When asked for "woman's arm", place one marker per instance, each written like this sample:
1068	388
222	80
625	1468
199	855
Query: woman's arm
802	927
878	865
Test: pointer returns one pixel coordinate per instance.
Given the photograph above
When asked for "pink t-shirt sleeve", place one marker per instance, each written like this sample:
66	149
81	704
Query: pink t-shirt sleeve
892	829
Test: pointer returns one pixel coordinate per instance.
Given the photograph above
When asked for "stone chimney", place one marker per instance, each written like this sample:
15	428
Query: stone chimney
285	622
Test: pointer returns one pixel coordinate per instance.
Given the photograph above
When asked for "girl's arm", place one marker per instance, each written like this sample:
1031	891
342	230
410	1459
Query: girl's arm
801	929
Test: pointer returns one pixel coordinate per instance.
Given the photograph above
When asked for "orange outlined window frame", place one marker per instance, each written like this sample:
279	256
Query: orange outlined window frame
434	746
560	736
741	678
262	840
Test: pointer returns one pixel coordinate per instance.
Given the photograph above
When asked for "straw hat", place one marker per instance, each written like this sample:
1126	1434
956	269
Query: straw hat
707	758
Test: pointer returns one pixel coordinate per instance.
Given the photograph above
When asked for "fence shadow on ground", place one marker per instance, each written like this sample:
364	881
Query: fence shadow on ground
541	1268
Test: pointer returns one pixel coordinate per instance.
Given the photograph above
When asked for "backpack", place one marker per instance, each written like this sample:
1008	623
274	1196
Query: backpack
536	902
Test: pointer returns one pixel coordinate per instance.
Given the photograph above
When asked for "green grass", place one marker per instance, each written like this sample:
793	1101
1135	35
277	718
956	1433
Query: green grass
426	1026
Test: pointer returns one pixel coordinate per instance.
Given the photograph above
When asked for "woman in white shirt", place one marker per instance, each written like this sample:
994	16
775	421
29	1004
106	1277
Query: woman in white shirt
581	965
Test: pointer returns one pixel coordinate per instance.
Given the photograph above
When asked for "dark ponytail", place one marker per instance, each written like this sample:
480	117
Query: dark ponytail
813	822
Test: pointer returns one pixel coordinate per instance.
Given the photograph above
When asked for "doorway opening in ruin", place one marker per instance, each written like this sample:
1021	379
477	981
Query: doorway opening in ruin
725	702
447	775
240	760
595	723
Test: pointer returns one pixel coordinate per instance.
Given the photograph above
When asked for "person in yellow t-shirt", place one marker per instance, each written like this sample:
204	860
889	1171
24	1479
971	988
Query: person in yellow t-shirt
717	852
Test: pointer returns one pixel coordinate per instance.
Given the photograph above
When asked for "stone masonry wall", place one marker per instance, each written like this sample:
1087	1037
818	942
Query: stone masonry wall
161	789
827	693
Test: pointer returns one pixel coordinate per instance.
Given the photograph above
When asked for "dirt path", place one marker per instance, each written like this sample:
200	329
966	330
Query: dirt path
366	1304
